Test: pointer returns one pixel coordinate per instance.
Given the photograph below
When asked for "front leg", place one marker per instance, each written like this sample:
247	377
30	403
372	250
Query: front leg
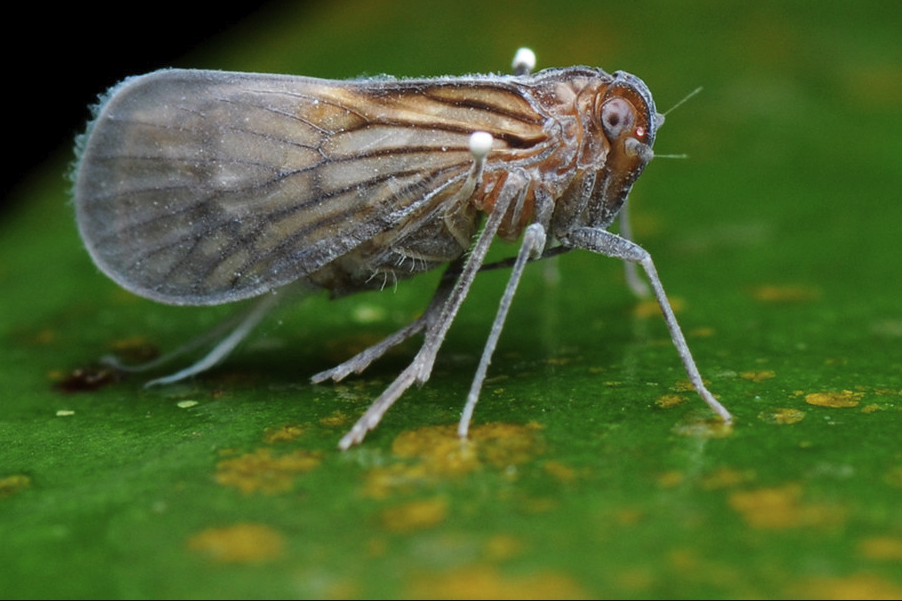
513	190
633	280
611	245
531	248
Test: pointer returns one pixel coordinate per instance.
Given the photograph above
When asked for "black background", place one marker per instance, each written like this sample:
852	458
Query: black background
59	60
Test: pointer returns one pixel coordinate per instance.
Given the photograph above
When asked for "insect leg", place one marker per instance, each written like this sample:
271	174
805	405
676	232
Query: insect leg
199	341
531	248
612	245
246	322
419	370
362	360
635	283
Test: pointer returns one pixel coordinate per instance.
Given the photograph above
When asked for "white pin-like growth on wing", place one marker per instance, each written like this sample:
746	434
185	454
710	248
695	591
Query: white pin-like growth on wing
480	145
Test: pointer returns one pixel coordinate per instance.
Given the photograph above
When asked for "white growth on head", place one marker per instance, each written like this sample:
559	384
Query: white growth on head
524	61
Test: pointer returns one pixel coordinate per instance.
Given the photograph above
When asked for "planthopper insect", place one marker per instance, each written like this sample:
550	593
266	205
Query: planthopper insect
206	187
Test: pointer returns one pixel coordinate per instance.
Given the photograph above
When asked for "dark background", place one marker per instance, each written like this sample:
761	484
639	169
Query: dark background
68	56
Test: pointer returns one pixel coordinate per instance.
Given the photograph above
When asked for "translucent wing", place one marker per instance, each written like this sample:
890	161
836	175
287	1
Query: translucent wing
200	187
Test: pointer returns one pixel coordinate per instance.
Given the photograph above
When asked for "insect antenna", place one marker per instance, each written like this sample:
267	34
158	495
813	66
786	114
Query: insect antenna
661	116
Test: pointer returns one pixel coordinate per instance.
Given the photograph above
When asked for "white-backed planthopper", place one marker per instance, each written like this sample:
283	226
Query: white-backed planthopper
205	187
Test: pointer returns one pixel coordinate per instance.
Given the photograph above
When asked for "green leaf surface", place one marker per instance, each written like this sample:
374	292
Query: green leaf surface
592	470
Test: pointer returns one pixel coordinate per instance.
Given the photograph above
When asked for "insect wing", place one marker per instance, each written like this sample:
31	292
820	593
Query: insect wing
204	187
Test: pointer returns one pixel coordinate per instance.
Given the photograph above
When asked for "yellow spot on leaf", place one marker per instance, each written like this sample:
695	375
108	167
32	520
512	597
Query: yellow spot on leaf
670	400
334	420
497	444
688	561
846	398
261	472
383	480
539	504
882	80
670	479
560	471
881	547
486	582
686	386
886	391
684	560
45	336
137	349
503	445
415	515
282	433
439	447
782	415
376	547
635	578
783	294
10	485
856	586
774	508
757	376
628	516
704	428
241	543
438	452
559	360
726	477
501	547
894	477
